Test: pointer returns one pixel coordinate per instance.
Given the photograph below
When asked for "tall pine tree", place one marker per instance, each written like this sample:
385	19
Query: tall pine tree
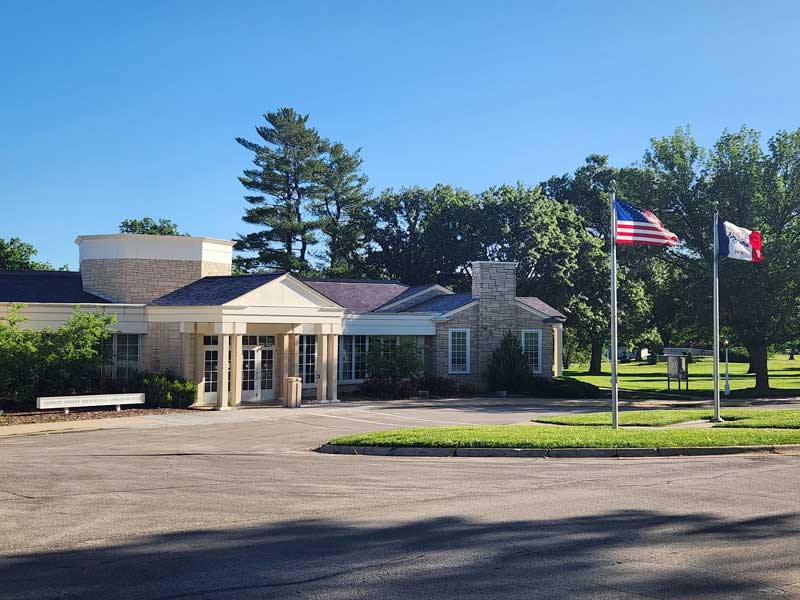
343	211
289	180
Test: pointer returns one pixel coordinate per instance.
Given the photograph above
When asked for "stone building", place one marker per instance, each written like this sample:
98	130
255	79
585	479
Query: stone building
179	309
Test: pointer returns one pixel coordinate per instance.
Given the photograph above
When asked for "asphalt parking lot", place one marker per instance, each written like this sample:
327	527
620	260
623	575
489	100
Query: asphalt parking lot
235	505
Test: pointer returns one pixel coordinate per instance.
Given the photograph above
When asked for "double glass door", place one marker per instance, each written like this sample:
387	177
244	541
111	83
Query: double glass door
258	362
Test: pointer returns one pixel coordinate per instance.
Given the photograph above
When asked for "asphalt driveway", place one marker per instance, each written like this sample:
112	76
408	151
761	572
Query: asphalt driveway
234	505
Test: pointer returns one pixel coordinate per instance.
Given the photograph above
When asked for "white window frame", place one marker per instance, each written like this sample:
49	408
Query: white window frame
115	362
450	369
540	333
301	360
350	376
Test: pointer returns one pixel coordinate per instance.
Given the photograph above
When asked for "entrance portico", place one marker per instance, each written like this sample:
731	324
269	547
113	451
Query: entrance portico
239	351
259	357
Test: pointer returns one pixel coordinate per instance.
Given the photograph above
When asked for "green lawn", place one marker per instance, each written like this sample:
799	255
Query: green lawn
532	436
779	418
784	376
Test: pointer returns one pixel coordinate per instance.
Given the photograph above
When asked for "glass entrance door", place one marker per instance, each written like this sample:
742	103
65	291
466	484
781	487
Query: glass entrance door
250	391
258	363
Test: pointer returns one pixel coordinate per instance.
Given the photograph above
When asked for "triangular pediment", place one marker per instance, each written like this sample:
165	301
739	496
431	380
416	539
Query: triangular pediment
285	291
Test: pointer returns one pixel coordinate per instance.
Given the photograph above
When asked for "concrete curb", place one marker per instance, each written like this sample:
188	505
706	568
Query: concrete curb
555	452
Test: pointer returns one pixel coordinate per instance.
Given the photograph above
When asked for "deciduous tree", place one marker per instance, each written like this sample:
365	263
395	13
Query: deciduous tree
148	226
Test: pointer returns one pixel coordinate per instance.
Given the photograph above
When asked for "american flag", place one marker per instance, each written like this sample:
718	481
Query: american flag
638	226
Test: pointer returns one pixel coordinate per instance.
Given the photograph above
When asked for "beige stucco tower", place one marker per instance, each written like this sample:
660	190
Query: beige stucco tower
132	268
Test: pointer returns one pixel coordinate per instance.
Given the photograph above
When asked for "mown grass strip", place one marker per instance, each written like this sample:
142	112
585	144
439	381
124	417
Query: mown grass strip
734	417
532	436
637	418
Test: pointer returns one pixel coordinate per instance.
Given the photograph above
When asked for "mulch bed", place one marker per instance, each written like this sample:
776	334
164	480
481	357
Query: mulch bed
52	416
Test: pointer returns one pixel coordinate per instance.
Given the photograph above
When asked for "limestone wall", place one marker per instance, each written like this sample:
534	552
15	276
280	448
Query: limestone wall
162	348
135	281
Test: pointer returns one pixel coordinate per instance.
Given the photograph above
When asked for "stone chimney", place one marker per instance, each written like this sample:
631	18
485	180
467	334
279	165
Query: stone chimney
495	283
136	269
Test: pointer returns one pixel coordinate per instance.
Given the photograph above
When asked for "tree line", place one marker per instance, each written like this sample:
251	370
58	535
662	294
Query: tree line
313	213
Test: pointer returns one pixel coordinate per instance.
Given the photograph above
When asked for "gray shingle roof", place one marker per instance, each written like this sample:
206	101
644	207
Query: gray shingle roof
442	303
358	295
541	306
45	286
410	291
214	290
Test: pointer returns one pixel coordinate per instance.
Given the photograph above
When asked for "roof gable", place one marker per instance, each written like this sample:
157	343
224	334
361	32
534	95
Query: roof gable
541	307
284	291
443	303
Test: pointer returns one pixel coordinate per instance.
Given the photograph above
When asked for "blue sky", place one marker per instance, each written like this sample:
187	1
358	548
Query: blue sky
112	110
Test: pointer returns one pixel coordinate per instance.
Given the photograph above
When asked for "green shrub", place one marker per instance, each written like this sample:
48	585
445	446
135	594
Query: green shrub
437	386
163	390
736	355
392	370
508	367
50	362
389	389
652	358
467	389
390	361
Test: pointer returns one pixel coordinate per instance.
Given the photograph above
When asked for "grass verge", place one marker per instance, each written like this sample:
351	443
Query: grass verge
639	379
736	417
531	436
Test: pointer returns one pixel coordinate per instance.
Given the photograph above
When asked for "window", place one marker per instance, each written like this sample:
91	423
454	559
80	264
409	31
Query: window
248	370
120	356
353	357
458	351
267	366
307	359
532	348
210	370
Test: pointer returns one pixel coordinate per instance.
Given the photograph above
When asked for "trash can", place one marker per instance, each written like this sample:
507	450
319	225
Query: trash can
292	391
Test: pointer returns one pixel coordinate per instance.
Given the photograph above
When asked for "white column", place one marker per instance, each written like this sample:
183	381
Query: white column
556	352
333	368
236	370
283	345
199	366
294	355
223	374
322	368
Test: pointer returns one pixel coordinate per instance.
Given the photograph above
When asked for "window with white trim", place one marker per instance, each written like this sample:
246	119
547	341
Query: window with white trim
532	348
120	356
307	359
353	357
458	351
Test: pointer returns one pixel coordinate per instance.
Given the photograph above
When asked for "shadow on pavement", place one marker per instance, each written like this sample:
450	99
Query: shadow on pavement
623	554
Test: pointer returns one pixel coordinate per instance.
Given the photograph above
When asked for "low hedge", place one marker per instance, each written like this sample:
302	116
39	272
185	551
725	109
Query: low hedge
389	389
163	390
438	386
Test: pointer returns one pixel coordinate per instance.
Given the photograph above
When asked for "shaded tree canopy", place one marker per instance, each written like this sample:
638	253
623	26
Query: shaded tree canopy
18	255
148	226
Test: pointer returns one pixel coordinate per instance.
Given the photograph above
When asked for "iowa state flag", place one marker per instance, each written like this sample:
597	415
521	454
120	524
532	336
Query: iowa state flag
737	242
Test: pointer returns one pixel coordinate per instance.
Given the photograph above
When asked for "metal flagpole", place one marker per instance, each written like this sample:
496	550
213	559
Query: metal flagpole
717	418
614	389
